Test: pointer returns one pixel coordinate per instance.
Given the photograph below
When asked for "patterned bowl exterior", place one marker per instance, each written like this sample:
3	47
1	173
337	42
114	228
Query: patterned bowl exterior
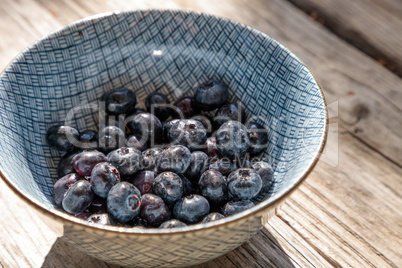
168	51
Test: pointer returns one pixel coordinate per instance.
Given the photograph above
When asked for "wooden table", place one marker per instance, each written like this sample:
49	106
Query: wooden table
349	211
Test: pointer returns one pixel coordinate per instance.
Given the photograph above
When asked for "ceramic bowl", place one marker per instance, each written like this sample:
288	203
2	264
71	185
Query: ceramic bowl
171	52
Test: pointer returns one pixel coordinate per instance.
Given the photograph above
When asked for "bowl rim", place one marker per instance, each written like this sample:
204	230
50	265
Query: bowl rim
259	208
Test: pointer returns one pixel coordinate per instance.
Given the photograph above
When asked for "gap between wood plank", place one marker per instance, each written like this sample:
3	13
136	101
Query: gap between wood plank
279	247
317	249
323	254
338	221
361	140
398	108
354	234
329	54
271	250
352	35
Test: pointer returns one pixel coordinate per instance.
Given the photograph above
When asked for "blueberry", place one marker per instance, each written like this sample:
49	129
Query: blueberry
169	186
233	111
244	183
191	209
103	177
185	108
144	181
213	186
147	127
136	142
78	197
174	158
126	160
266	173
233	207
111	138
89	139
223	165
154	210
158	104
123	201
205	121
210	147
119	101
198	165
101	218
167	126
85	161
214	216
61	187
150	158
232	139
173	223
66	164
258	137
63	138
211	95
188	132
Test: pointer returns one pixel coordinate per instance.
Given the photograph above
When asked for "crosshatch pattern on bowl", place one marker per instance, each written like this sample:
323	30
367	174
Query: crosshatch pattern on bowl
167	51
179	250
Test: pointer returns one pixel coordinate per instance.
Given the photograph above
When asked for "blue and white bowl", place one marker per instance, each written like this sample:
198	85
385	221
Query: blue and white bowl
169	51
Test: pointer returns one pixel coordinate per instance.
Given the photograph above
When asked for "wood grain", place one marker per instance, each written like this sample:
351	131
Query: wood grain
350	79
374	27
348	213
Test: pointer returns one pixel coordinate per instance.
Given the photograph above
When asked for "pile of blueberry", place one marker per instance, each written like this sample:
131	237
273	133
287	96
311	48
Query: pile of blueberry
155	172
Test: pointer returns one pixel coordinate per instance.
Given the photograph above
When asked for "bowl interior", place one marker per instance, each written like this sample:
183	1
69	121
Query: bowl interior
147	51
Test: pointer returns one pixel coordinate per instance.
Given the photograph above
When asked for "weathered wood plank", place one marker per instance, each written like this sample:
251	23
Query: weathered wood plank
299	251
342	209
374	27
347	213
